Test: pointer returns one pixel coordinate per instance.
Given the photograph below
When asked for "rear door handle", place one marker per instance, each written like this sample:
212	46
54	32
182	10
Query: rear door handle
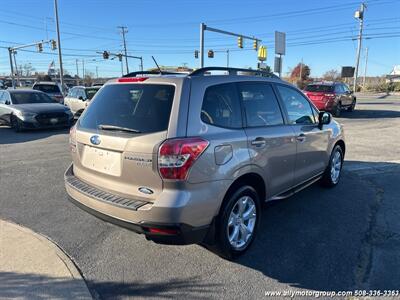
259	142
301	137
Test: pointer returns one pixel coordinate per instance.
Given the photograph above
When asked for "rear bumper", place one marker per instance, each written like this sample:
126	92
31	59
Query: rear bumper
136	215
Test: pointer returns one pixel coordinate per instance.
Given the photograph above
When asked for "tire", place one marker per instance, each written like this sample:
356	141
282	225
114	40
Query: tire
337	110
352	106
15	124
230	240
332	177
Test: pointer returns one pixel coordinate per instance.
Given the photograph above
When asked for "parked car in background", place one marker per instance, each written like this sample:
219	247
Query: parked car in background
29	109
53	89
190	158
331	96
78	98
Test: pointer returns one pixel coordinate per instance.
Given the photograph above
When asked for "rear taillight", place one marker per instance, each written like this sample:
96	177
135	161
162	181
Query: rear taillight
177	156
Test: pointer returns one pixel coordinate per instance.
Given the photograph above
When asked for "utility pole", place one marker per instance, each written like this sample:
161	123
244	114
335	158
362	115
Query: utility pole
83	71
59	47
77	72
122	65
365	66
123	31
97	72
360	16
10	51
227	58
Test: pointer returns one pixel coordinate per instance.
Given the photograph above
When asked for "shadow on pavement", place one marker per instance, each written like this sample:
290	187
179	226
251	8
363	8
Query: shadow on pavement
319	239
31	286
370	114
9	136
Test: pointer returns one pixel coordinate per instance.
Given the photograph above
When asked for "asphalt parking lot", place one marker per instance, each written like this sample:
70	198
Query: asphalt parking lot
346	238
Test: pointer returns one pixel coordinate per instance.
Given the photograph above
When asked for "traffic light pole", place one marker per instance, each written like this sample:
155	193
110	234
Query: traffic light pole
16	67
204	27
120	55
10	51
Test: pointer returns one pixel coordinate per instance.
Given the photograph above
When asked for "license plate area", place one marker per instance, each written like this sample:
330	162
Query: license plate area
104	161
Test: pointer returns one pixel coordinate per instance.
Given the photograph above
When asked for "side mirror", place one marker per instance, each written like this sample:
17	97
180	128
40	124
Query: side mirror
7	102
81	98
324	118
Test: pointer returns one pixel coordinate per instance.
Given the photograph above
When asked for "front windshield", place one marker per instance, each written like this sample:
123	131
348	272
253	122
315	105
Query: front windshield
30	98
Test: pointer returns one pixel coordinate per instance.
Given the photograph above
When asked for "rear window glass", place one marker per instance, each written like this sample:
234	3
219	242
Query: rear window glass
142	107
319	88
47	88
221	106
91	92
30	98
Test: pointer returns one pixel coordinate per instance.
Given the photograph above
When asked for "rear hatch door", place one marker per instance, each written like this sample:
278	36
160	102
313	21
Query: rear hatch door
118	137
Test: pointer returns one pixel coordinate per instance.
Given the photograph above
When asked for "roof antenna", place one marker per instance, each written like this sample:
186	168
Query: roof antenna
158	67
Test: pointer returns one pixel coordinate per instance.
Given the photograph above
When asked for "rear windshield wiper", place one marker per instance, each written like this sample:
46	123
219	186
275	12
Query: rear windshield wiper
118	128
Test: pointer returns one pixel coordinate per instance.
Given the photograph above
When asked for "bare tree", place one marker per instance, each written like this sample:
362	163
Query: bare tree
26	70
331	75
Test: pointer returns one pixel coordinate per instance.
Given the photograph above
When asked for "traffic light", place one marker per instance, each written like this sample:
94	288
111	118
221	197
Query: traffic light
240	42
106	55
210	53
53	45
196	53
255	44
40	47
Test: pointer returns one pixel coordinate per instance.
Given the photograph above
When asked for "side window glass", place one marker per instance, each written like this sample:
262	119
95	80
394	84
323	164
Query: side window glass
338	89
6	97
81	93
72	93
260	104
315	113
345	88
221	106
2	100
298	108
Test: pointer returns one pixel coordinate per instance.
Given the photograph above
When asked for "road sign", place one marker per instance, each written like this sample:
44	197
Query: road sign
280	43
347	72
278	64
262	53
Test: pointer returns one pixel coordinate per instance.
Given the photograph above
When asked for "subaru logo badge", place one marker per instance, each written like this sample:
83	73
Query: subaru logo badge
95	140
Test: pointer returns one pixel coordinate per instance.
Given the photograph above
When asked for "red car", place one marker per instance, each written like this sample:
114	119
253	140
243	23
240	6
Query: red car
331	96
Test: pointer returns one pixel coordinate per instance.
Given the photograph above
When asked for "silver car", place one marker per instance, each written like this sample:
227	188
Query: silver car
190	158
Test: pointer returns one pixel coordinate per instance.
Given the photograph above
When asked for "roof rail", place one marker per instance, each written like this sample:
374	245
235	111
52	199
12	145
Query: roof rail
233	71
134	74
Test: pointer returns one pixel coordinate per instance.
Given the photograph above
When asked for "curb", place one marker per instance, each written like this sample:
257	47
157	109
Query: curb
67	261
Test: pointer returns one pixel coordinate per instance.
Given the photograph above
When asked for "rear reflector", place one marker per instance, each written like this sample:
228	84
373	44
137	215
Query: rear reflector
132	79
177	156
163	231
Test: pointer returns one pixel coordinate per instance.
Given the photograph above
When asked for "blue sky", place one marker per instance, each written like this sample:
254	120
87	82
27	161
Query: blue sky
319	32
